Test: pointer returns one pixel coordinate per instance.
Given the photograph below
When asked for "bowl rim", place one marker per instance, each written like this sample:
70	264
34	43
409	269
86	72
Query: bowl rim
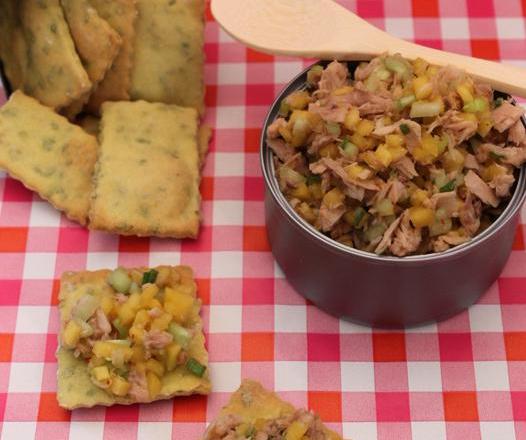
272	186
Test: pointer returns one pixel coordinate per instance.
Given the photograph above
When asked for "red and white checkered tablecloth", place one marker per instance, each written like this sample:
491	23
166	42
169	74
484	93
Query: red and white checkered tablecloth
464	378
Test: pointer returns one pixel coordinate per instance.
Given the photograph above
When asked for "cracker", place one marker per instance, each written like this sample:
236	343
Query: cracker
121	15
12	44
48	154
147	175
90	124
97	44
54	73
252	404
204	135
169	55
75	388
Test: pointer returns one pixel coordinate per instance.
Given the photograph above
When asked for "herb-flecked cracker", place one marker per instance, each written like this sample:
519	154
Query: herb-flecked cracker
12	44
97	43
169	57
128	336
54	73
48	154
147	174
90	124
121	15
253	410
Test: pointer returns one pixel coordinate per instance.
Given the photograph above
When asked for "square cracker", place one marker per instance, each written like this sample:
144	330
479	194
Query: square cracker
53	71
75	389
48	154
12	44
121	16
147	174
252	403
169	55
97	43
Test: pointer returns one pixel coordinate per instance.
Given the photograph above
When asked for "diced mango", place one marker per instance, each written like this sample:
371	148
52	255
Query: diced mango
101	374
155	366
104	349
136	334
71	334
106	304
397	153
363	143
383	155
142	318
148	294
285	132
178	304
172	353
355	171
469	117
422	87
298	100
394	140
453	160
315	190
134	301
154	384
418	197
138	354
333	198
485	125
301	192
342	90
465	92
421	216
161	323
370	159
420	66
352	118
329	150
432	71
296	430
126	314
365	127
119	386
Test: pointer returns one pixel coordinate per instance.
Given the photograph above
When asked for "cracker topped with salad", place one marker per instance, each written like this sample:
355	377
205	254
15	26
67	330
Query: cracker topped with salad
130	336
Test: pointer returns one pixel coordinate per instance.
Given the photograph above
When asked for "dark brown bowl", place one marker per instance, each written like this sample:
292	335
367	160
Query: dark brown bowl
382	291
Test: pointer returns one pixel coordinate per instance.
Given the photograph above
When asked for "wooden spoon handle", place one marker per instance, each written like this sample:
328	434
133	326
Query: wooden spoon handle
323	29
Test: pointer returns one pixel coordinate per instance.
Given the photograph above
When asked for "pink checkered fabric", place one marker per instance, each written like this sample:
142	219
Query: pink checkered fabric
464	378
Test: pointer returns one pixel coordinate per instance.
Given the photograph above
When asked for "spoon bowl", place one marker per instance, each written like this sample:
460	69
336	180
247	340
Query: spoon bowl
325	30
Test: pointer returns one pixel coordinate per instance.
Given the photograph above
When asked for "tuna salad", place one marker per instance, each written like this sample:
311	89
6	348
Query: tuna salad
405	158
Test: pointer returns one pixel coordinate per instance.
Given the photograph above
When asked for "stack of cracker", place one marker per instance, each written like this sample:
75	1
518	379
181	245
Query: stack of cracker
136	64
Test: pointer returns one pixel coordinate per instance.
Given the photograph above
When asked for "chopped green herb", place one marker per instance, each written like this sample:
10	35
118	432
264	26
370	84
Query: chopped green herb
313	178
149	277
496	156
195	367
404	128
358	216
450	186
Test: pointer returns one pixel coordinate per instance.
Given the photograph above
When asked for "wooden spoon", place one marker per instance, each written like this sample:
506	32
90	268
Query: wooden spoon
325	30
